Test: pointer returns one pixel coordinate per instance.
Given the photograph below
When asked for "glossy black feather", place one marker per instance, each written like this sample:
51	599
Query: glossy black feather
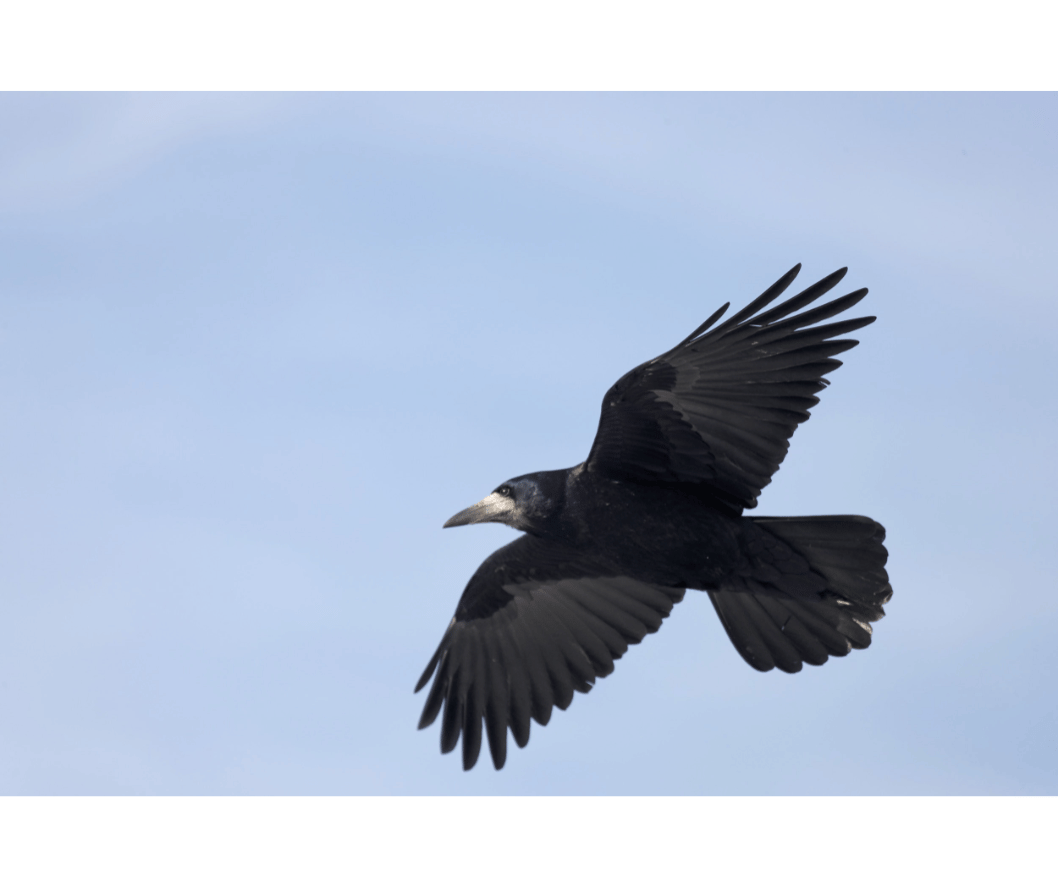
653	428
685	443
553	645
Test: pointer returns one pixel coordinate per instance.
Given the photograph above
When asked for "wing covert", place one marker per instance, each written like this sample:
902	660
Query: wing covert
717	411
537	621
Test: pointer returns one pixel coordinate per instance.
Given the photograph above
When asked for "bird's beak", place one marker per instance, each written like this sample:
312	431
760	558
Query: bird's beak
493	507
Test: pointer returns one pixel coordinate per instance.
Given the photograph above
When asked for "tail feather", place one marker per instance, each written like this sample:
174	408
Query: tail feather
806	589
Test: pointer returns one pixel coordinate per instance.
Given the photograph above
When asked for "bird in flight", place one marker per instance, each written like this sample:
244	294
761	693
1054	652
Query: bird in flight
685	444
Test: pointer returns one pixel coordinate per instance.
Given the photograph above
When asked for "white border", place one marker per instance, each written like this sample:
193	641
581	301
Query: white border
572	44
514	841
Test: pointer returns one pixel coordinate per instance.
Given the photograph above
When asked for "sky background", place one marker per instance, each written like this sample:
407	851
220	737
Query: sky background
256	349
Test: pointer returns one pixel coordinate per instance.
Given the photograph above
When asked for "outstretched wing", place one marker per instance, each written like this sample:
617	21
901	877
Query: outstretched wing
537	621
718	410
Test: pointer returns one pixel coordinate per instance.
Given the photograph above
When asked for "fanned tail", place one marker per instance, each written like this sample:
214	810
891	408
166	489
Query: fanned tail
807	589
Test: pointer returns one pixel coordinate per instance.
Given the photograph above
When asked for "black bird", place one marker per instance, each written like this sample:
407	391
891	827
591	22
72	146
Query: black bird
685	444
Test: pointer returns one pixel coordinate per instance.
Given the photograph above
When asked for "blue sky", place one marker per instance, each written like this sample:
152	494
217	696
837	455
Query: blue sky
255	349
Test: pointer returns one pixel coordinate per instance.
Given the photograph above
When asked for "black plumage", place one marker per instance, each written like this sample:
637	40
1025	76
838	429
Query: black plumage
685	444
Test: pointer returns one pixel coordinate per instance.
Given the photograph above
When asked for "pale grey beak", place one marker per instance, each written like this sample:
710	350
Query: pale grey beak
493	507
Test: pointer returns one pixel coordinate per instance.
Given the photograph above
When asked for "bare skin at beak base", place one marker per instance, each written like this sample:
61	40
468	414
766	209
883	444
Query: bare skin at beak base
493	507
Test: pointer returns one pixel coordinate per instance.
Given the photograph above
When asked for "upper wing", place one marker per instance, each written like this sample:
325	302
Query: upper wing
537	621
718	410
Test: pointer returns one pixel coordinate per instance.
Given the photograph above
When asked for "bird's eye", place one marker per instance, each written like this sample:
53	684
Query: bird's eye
504	490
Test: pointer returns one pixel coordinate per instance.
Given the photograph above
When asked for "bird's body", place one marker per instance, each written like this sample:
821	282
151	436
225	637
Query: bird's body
677	538
685	443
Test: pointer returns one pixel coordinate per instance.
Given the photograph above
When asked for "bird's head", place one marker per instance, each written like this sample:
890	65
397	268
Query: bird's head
524	503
